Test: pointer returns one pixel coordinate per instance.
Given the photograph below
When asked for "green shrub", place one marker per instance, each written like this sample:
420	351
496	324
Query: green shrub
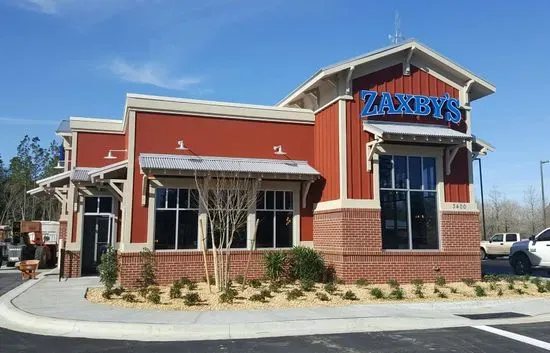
377	293
397	293
154	295
541	288
266	293
340	281
307	285
175	290
453	290
492	278
442	295
520	291
393	283
440	281
307	264
106	294
480	292
363	282
330	288
129	297
322	296
228	295
525	285
492	286
192	286
294	294
511	286
275	286
419	293
257	298
525	278
210	277
329	275
148	276
255	283
184	282
239	279
510	279
118	290
274	265
468	281
417	282
547	285
349	295
108	268
191	298
436	290
500	293
143	291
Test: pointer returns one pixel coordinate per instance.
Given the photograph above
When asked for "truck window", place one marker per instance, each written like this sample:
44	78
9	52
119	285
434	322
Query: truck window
497	237
511	237
545	236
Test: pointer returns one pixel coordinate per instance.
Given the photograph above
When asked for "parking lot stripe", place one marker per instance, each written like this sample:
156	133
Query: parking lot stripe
515	336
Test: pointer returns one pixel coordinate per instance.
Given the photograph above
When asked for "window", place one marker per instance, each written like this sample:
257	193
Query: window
497	237
545	236
234	217
512	238
176	219
408	199
275	212
102	204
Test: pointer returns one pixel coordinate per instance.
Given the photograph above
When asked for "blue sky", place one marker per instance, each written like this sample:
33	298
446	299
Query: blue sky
80	58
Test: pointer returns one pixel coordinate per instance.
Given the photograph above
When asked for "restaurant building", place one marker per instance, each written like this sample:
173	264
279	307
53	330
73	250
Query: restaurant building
368	161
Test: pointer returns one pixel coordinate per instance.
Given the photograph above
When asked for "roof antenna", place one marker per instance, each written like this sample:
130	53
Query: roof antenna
396	37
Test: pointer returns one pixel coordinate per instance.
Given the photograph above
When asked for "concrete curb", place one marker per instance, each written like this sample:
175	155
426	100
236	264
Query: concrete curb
14	318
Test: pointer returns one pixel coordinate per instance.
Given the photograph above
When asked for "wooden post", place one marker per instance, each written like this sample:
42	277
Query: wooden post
203	246
252	248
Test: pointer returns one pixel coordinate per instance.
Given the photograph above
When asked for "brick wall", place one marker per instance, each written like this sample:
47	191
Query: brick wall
63	230
351	240
174	265
71	265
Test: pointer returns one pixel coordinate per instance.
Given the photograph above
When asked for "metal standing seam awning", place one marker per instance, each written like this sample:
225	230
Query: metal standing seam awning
422	133
189	165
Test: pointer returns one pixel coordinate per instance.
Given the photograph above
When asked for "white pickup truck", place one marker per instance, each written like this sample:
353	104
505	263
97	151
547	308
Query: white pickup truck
532	253
498	245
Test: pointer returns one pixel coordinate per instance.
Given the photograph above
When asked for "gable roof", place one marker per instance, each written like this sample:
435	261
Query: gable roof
480	87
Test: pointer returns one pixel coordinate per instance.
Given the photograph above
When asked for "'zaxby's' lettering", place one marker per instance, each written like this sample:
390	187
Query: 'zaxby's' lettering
411	104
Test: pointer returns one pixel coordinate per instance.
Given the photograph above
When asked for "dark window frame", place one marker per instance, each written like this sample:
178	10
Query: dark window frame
287	210
404	186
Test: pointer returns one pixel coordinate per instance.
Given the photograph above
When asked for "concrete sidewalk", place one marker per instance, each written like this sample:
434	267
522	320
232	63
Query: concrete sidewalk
49	307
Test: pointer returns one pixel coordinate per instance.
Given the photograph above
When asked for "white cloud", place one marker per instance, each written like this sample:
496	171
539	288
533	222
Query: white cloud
23	121
150	74
49	7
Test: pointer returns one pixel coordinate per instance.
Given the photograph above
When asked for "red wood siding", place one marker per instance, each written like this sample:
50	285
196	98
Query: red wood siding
391	79
327	161
159	133
93	147
457	183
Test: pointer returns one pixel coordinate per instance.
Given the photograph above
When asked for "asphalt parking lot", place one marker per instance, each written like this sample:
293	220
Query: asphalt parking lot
462	339
9	279
501	266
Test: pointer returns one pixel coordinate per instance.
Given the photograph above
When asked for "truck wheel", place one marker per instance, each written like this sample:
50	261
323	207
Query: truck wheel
521	264
482	254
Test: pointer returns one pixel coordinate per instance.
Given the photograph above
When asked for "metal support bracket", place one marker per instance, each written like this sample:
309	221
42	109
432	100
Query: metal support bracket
144	189
305	190
450	154
348	80
407	62
371	147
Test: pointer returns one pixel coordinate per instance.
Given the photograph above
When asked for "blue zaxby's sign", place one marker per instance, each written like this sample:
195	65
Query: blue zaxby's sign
443	107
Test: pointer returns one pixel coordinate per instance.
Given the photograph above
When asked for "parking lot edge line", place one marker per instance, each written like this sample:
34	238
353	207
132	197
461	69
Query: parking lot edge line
515	336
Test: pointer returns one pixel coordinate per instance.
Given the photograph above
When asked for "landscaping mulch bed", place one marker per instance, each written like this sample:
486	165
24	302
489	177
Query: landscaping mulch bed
497	289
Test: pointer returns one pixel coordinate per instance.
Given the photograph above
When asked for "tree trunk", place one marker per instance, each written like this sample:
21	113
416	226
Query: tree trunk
203	246
252	248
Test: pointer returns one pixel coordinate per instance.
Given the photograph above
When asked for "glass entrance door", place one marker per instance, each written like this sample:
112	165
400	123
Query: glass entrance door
97	232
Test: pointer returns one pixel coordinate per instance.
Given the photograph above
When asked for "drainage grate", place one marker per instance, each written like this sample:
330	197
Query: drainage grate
504	315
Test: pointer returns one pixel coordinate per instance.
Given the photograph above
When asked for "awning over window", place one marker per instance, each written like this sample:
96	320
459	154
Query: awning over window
81	174
60	179
189	164
111	171
427	133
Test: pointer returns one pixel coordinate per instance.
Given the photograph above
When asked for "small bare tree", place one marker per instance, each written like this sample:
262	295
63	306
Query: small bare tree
532	209
227	200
